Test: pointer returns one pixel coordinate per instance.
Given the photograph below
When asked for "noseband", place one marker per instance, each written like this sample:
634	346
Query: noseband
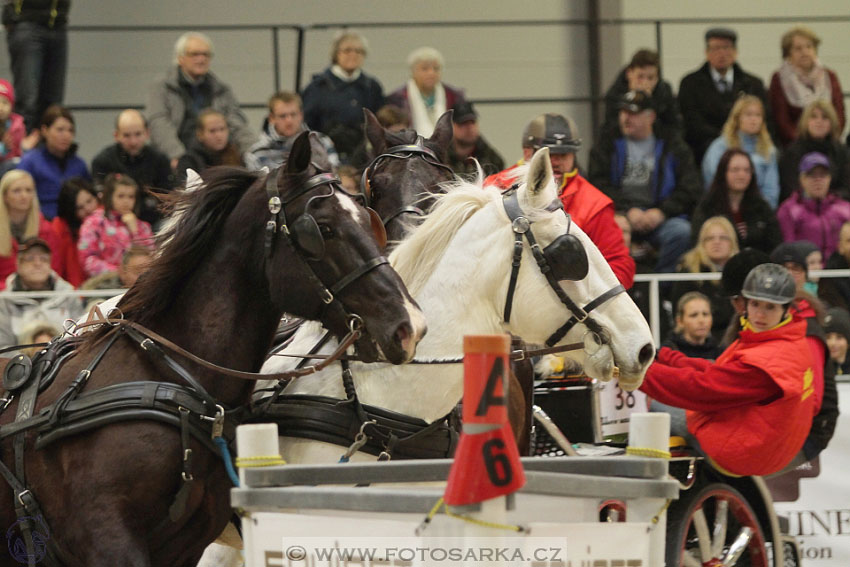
304	237
521	226
404	152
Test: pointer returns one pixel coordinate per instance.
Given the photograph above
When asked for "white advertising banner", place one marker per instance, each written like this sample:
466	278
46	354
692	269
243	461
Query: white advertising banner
818	509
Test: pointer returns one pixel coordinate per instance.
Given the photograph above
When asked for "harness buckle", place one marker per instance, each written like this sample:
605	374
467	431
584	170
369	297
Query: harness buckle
518	355
327	296
271	227
187	477
20	497
147	344
355	323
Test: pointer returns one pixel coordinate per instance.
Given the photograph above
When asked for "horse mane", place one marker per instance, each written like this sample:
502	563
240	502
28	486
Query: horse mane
417	255
202	214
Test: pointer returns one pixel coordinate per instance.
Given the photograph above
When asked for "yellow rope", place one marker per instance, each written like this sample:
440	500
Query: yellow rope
657	517
475	521
259	461
647	452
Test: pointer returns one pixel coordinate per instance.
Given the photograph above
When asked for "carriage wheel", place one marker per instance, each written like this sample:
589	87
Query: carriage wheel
714	526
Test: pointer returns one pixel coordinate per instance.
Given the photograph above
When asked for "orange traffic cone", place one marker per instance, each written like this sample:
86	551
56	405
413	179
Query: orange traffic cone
486	463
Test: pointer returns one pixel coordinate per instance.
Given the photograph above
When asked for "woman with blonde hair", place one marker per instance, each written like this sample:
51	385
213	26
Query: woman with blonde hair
818	131
717	243
20	219
801	80
746	129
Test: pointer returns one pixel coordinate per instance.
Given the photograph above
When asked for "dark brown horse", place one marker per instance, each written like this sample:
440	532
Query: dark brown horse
404	172
230	270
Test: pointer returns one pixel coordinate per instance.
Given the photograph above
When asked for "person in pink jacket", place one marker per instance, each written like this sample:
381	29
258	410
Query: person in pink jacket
110	231
813	212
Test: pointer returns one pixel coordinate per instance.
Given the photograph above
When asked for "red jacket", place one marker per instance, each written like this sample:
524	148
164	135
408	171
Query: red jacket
66	246
593	212
9	264
752	409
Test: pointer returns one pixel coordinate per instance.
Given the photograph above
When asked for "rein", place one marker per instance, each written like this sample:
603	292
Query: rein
152	336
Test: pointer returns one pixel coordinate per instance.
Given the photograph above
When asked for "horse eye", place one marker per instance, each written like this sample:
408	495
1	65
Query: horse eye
326	231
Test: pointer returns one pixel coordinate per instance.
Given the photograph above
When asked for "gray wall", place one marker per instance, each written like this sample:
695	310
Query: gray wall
539	61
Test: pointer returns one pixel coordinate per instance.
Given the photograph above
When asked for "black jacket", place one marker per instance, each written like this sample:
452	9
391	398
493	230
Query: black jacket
708	350
789	165
38	11
489	159
835	292
677	180
763	232
662	98
705	109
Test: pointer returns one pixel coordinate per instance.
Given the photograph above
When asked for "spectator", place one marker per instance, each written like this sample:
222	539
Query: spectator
55	159
175	101
837	329
758	392
707	95
34	274
814	261
734	194
468	142
335	98
801	80
280	128
715	246
349	179
813	212
132	155
20	219
108	232
13	133
77	200
37	35
134	262
692	334
587	205
34	333
425	97
212	145
643	74
818	131
652	178
746	129
835	292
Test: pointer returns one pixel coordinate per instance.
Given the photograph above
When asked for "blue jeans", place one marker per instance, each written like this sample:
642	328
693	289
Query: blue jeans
39	59
672	239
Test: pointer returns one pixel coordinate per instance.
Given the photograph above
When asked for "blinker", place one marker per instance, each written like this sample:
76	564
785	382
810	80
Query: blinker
17	373
305	231
567	258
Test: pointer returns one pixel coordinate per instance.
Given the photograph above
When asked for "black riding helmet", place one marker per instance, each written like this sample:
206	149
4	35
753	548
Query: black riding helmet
771	283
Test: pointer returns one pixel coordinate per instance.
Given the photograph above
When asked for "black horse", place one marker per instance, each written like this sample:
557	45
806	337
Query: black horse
245	250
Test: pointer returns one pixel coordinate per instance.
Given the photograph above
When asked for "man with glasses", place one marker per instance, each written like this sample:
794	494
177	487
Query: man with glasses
706	96
189	87
34	274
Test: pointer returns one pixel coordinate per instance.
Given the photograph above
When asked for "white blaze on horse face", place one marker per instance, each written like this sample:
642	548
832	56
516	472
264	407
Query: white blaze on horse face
350	207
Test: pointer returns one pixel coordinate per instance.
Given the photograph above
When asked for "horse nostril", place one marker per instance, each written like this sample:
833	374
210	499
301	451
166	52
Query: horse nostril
646	354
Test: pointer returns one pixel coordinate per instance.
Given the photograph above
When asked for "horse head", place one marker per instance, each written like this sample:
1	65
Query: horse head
405	171
567	290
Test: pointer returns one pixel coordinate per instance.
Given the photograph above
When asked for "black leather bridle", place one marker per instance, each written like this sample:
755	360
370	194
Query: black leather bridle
521	226
278	221
404	151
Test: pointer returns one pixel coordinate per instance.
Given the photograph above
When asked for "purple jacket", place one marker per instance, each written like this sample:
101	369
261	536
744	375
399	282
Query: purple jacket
802	218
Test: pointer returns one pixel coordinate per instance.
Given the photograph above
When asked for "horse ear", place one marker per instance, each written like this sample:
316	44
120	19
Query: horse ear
538	181
299	156
443	131
374	132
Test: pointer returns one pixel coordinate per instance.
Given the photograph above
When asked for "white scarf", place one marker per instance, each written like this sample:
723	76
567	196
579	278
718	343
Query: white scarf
801	89
422	118
341	74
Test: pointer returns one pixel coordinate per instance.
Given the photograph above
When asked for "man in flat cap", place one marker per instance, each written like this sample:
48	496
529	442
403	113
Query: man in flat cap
706	96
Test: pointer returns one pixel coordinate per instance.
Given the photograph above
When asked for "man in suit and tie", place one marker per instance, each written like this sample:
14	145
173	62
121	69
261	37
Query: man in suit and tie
706	96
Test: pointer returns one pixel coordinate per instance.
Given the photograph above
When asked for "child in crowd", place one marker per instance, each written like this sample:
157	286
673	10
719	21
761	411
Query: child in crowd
108	232
12	129
751	410
837	328
692	335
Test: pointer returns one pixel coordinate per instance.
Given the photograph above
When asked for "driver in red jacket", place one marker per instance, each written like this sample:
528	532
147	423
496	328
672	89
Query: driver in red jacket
751	410
591	209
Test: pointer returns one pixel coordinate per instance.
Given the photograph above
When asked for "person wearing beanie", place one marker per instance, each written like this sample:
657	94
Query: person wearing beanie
12	129
837	328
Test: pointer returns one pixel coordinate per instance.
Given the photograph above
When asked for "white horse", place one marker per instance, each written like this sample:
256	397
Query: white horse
457	265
